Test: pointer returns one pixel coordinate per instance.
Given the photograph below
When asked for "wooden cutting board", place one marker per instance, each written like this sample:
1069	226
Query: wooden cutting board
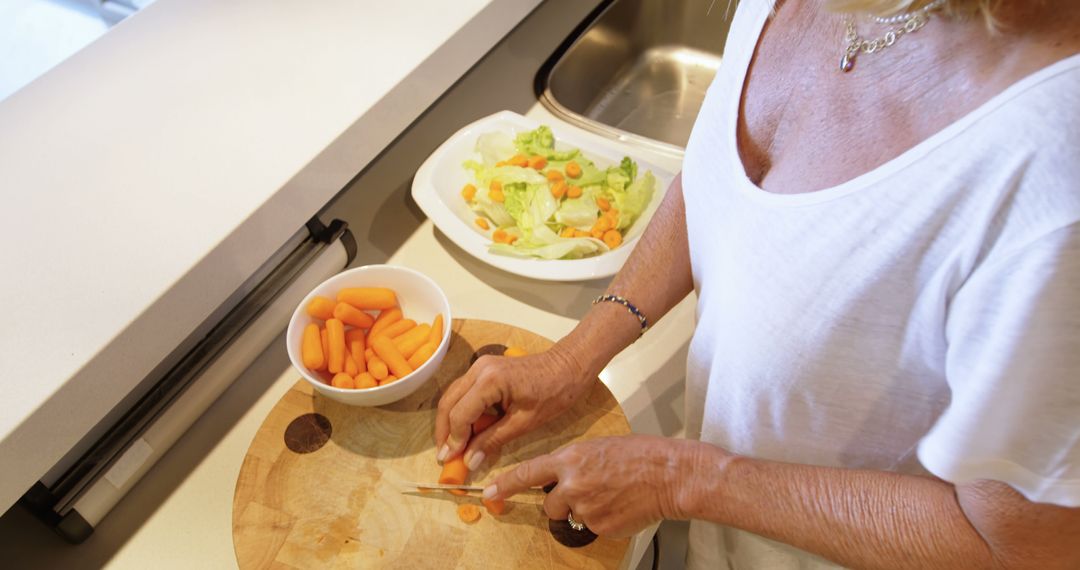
318	489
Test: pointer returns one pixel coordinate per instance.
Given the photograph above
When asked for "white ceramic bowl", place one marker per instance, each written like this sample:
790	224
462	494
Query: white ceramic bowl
437	190
420	300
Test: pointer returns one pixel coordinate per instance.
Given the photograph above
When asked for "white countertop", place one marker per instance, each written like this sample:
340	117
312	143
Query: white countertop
146	177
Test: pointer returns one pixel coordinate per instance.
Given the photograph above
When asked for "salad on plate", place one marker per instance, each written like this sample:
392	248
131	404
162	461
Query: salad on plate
537	201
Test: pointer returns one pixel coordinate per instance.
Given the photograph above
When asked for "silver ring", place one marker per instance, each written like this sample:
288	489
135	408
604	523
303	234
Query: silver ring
578	526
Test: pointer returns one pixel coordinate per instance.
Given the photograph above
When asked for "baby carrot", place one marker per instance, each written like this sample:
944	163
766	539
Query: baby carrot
412	340
436	333
482	223
397	329
377	368
367	298
365	380
385	319
385	349
519	160
354	340
573	169
537	162
494	506
351	368
335	335
350	315
342	380
468	192
468	513
573	192
325	340
612	238
390	379
422	354
454	472
321	308
311	348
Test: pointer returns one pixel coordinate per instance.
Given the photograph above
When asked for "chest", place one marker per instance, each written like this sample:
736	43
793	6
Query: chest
804	125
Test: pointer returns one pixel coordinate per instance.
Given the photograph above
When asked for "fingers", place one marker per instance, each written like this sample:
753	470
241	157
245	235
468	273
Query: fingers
490	440
480	396
555	505
532	473
453	394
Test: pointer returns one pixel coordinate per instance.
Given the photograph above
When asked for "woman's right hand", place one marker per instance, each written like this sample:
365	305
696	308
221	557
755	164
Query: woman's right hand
530	389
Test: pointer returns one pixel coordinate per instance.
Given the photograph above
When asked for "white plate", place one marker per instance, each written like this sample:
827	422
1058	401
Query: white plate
437	190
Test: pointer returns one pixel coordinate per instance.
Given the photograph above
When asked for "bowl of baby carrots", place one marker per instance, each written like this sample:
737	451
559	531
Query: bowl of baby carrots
371	335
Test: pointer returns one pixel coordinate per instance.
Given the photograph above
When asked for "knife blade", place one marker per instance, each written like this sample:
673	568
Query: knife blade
441	486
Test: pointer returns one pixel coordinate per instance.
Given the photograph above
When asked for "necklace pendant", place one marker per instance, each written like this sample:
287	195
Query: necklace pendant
847	63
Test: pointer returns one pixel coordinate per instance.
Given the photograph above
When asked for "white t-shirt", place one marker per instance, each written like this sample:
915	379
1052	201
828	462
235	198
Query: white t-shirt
921	318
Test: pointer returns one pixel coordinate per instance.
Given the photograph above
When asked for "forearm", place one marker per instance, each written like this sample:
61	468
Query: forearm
655	278
857	518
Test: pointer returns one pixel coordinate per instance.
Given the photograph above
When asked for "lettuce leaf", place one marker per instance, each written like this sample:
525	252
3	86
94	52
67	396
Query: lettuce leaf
541	141
580	213
635	199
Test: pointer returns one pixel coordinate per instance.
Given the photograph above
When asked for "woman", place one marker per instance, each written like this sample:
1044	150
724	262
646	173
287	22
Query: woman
884	237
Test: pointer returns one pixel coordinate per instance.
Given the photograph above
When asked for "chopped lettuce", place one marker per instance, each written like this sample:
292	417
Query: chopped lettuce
635	199
539	224
542	142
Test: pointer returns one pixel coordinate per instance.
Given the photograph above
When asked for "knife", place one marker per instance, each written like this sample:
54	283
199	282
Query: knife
416	485
409	485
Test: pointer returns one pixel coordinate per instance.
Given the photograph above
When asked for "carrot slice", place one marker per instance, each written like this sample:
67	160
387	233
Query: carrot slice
468	513
494	506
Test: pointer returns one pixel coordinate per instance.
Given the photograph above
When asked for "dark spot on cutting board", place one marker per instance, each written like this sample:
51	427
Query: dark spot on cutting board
308	433
495	349
567	536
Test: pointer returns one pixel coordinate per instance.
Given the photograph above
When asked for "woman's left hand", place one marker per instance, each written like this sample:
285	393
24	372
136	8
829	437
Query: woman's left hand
617	486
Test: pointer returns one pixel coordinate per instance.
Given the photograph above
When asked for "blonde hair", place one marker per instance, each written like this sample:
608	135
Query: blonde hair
979	8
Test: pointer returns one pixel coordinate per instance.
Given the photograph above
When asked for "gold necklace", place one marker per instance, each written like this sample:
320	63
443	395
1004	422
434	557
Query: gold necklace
902	24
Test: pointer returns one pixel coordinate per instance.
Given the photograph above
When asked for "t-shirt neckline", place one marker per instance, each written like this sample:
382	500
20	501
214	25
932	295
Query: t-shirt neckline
747	186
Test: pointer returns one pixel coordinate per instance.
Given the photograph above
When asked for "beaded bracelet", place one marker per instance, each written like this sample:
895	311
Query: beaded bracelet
629	307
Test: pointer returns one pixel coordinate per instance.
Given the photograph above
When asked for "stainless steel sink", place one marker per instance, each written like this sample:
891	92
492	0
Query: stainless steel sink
638	72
